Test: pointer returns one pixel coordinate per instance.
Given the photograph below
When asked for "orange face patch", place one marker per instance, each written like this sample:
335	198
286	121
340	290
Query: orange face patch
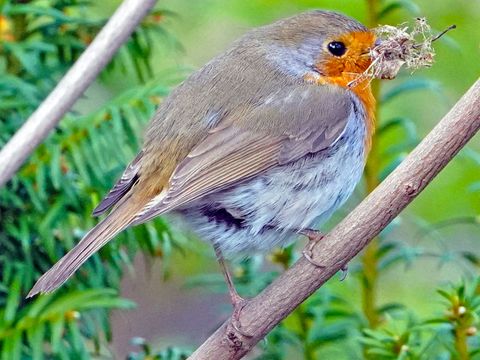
354	61
341	70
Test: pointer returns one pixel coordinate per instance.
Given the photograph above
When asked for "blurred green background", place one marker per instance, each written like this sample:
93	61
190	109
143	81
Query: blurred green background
174	280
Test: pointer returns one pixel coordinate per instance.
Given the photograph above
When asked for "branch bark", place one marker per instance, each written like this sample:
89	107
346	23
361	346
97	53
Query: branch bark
349	237
71	87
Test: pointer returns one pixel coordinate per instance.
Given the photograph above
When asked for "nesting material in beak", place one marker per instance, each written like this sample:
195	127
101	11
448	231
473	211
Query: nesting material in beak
397	46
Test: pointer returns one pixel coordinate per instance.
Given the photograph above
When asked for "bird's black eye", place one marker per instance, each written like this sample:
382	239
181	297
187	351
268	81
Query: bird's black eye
337	48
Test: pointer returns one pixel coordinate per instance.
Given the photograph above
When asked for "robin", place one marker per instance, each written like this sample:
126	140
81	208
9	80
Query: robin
263	142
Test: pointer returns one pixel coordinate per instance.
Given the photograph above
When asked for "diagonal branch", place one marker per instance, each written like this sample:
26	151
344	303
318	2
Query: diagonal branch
349	237
71	87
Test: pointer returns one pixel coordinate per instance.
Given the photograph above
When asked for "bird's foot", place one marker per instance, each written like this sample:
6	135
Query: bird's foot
314	237
238	304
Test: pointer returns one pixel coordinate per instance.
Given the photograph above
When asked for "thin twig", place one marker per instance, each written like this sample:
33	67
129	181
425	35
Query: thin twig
71	87
438	36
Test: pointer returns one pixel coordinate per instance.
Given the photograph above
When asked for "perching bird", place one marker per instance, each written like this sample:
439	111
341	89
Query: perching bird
265	141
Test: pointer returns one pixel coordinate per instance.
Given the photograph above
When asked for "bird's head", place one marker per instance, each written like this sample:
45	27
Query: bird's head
322	45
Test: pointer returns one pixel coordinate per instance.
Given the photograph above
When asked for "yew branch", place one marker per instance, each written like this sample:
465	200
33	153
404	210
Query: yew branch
71	87
349	237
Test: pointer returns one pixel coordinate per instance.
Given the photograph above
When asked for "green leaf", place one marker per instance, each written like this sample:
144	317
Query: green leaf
12	346
412	85
328	333
471	154
54	214
407	125
392	165
445	294
29	63
36	334
55	168
391	307
34	196
407	5
85	300
471	257
48	11
76	339
79	162
21	88
57	328
13	299
41	183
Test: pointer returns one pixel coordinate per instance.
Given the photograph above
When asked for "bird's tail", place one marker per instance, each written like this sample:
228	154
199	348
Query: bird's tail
119	219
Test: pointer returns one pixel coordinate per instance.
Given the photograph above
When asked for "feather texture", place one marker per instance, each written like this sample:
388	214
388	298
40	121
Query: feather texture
293	123
122	186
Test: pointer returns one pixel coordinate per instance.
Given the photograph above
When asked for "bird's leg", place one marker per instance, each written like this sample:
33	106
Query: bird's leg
238	302
314	236
236	299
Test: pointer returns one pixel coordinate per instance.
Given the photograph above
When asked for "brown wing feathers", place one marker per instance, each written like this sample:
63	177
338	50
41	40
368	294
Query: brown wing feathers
231	162
248	144
123	185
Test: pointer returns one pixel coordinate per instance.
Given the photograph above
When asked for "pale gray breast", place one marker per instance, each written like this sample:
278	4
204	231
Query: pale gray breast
307	191
266	211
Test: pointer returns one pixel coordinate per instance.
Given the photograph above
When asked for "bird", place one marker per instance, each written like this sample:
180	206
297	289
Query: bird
254	149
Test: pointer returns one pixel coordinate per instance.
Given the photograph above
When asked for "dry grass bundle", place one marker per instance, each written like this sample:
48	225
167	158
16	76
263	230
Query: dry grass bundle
398	46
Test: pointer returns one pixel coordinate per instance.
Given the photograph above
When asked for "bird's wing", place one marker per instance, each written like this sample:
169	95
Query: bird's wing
291	123
121	187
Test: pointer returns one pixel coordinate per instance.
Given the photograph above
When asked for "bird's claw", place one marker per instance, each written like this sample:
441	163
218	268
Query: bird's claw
314	237
307	254
344	273
238	304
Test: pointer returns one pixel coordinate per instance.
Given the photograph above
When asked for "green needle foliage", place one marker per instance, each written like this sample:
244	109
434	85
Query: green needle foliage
451	335
146	352
46	208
